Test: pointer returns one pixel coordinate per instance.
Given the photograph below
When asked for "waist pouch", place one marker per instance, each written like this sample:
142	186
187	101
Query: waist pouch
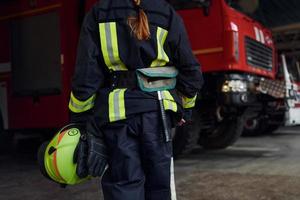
156	78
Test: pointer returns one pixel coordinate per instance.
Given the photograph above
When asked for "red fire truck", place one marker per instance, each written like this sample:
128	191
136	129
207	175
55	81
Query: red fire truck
38	47
235	52
243	90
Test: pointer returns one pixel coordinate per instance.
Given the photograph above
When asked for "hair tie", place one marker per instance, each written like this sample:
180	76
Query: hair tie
138	7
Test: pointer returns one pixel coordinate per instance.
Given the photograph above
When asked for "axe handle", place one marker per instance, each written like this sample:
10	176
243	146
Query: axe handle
163	117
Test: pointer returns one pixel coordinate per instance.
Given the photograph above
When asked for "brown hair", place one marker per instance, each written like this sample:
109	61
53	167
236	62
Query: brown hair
139	25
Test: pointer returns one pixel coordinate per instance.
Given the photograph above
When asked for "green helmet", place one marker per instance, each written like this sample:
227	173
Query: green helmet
56	158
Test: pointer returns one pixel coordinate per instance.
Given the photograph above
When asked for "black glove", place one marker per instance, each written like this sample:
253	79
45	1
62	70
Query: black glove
97	155
80	118
80	157
187	115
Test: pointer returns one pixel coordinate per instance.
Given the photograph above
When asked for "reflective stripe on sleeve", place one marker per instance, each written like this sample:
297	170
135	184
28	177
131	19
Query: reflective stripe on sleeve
189	102
78	106
109	46
116	103
162	58
169	102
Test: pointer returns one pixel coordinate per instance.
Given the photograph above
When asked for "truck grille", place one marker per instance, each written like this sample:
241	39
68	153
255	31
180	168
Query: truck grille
258	54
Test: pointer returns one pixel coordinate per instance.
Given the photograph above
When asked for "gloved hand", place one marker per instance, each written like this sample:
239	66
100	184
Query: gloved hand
80	118
97	155
80	157
187	115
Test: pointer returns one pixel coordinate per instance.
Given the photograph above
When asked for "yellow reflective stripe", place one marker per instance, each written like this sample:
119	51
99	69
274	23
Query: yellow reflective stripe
162	58
169	102
78	106
189	102
116	102
118	63
103	44
109	46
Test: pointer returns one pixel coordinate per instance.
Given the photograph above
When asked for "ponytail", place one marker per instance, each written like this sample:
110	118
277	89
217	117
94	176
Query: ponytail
139	25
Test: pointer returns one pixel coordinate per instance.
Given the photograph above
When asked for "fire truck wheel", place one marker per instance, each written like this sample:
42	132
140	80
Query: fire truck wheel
254	127
223	133
279	118
262	125
186	137
272	128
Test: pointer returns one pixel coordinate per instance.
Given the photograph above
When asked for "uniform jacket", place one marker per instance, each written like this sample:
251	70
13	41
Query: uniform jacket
107	46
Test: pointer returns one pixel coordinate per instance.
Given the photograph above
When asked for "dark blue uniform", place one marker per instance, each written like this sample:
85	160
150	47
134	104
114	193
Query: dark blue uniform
139	159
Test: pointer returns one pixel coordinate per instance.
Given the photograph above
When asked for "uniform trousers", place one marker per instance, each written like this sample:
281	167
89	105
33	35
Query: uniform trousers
140	161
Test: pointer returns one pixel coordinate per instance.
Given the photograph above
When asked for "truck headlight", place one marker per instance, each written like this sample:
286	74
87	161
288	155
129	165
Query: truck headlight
234	86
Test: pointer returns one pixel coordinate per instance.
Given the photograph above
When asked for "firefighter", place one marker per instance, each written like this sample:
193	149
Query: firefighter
125	124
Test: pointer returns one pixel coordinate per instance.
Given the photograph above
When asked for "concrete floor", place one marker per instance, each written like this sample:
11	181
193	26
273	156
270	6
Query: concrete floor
275	154
259	168
255	168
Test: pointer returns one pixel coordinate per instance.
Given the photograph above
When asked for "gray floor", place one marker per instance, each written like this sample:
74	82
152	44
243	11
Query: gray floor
275	154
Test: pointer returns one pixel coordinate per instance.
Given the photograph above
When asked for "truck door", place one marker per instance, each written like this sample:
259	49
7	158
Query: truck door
204	24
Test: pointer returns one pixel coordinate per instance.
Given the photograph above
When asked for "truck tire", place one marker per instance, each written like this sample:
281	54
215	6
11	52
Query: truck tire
223	134
260	125
206	132
185	139
277	119
254	127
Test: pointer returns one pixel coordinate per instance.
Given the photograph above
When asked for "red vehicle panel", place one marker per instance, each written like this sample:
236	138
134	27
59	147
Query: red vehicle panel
218	39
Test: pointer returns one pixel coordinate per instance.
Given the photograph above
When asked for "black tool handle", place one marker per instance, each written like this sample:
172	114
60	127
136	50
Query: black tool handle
164	118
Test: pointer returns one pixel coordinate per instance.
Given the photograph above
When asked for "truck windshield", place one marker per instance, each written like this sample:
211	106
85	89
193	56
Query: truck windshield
185	4
247	7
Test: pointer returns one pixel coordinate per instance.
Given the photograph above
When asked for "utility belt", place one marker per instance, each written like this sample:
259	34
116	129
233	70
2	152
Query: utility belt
154	79
123	79
146	79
